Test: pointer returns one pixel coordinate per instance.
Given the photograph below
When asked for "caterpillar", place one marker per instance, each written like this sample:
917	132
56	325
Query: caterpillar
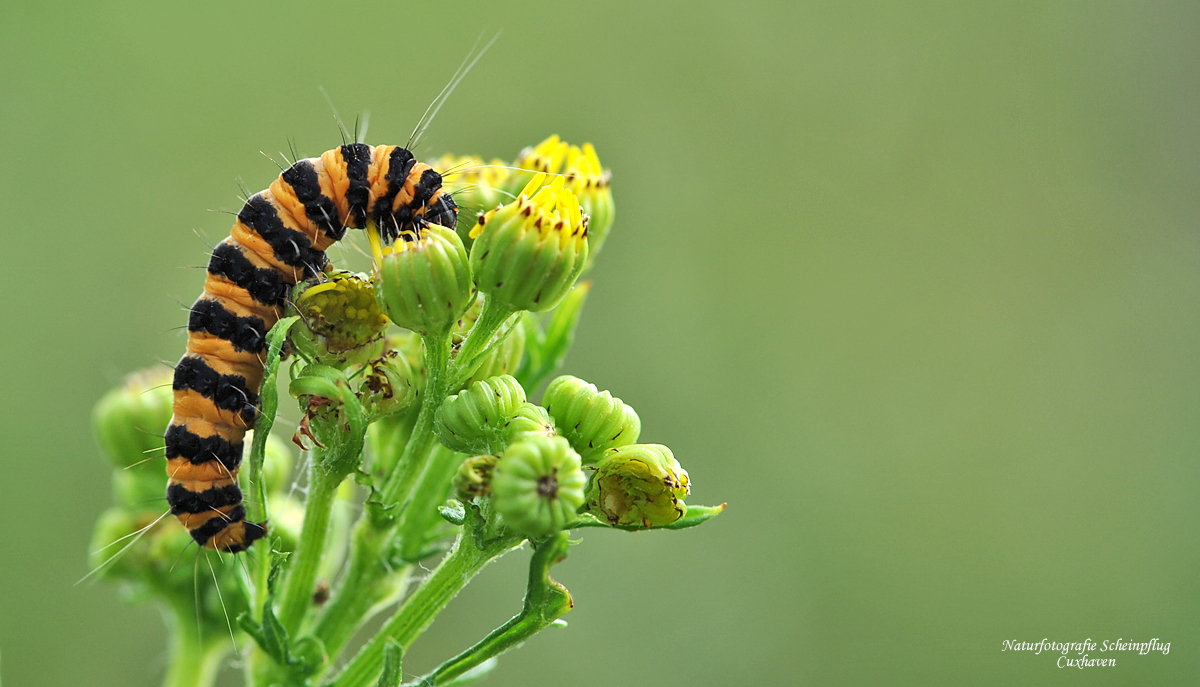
279	238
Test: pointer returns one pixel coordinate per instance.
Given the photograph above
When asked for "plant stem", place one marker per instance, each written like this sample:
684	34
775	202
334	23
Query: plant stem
491	317
416	520
298	591
364	585
194	663
545	602
463	562
398	488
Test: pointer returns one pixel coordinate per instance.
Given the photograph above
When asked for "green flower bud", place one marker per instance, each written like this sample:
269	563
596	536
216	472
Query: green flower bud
641	484
387	386
592	185
505	358
528	253
340	322
129	421
473	420
477	186
138	489
592	420
529	420
474	477
537	486
425	285
111	530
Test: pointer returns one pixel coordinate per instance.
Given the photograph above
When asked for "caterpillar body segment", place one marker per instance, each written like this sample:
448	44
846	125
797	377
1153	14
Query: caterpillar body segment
280	237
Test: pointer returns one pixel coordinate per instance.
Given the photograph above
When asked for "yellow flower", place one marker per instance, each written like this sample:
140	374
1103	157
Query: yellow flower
592	184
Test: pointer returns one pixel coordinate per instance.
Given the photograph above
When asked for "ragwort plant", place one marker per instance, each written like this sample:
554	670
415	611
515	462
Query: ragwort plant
419	441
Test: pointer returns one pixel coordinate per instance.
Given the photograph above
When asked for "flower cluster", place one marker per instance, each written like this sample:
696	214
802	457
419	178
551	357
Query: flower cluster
420	442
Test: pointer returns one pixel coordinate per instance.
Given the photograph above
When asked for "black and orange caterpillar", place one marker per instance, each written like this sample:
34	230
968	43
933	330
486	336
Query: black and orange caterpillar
279	238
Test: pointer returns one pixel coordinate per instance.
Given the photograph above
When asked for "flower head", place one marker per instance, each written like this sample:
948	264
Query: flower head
527	254
424	285
476	185
129	421
473	420
474	477
640	485
340	322
388	385
537	485
592	420
529	420
546	157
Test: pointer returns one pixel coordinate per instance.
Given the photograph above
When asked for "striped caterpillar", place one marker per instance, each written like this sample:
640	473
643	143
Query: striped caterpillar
279	238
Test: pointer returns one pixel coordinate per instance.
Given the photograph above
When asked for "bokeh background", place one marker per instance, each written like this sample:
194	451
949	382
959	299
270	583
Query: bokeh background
915	287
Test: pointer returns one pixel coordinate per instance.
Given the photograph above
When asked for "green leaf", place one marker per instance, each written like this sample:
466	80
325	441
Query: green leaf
695	515
269	399
453	512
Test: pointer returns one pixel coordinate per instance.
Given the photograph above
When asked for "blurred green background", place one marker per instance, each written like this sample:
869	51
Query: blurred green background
915	287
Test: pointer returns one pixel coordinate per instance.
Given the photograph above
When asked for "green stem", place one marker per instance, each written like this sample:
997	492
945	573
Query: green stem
421	513
194	663
366	584
463	562
301	581
545	602
398	488
491	317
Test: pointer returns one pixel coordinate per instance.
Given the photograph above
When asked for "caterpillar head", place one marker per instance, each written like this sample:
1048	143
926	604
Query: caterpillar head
441	209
